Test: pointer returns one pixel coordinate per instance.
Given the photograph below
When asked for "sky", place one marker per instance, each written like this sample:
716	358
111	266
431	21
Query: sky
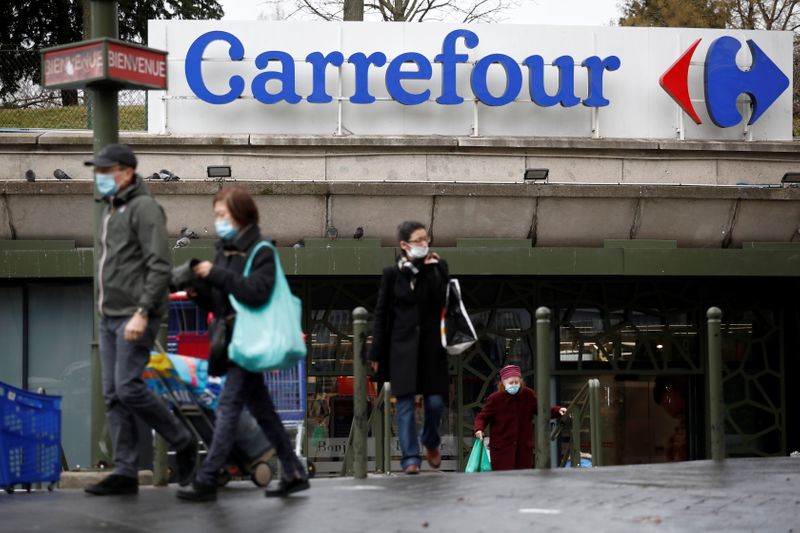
550	12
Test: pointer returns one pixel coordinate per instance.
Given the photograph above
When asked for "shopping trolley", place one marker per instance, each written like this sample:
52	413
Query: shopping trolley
187	334
252	452
287	388
30	438
187	330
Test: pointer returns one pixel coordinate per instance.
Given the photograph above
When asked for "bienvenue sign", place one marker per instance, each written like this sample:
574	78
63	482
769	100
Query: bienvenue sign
485	80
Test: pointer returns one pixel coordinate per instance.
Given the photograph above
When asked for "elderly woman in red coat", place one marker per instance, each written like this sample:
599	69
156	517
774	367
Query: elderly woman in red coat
510	412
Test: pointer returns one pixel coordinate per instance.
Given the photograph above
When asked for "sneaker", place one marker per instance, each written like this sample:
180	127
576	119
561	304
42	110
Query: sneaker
411	470
434	458
288	487
197	492
114	485
186	461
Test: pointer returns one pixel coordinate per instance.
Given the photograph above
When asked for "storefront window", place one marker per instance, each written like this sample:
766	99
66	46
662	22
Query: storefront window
60	335
628	340
11	335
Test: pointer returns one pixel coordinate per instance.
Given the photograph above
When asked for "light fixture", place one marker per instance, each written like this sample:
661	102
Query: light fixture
218	171
536	174
791	177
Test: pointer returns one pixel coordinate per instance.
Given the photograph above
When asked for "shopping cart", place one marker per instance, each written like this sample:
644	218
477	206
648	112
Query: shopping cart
287	388
30	438
187	334
187	330
252	452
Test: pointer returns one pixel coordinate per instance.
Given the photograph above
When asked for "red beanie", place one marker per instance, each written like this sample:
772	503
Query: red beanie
510	371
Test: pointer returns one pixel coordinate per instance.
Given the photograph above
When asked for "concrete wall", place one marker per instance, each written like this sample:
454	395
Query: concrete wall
415	159
551	215
460	187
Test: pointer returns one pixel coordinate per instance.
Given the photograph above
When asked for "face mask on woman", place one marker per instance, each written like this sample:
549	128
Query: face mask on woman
105	184
224	228
418	252
512	389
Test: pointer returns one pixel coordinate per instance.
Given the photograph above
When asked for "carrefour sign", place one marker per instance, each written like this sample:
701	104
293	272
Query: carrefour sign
396	72
482	80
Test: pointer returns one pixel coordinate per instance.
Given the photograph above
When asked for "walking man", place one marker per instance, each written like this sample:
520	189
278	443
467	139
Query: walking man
132	281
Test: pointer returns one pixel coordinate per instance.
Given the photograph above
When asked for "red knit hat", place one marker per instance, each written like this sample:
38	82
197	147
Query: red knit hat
510	371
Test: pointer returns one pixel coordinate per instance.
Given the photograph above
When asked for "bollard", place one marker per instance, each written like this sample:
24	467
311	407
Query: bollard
160	446
387	428
359	394
594	422
543	357
716	399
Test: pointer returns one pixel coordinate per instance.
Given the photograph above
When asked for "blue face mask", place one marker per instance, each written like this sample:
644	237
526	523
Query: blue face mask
512	389
105	184
224	228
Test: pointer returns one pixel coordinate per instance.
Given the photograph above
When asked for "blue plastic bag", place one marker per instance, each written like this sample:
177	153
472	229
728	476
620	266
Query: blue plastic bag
269	337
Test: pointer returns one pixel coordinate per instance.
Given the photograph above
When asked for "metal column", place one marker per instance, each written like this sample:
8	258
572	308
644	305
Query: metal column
543	357
105	120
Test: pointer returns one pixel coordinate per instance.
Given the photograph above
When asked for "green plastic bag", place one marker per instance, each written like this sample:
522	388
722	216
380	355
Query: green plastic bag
478	459
269	337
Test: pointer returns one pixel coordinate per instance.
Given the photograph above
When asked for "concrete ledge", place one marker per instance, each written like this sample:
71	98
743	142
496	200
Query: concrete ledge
353	140
81	480
433	141
23	137
349	188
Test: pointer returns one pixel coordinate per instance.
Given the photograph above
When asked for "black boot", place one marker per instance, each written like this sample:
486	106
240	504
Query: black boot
288	487
186	461
197	492
113	485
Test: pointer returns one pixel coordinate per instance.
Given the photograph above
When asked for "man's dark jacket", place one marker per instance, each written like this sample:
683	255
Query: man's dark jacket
134	266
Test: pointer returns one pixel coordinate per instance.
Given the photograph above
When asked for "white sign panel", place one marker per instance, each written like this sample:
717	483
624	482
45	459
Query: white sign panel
487	80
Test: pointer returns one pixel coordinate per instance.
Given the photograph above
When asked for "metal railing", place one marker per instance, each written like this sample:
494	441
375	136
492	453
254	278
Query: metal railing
380	426
585	404
379	420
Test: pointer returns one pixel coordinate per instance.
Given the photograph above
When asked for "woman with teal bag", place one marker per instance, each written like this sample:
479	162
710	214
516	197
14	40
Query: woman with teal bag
236	224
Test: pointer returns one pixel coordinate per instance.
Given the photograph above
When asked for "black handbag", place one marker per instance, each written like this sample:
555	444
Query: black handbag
218	347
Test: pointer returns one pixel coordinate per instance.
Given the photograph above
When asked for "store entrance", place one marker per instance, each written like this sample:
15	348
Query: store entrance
644	419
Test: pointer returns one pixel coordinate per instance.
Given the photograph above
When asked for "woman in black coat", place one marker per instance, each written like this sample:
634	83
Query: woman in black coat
236	223
407	344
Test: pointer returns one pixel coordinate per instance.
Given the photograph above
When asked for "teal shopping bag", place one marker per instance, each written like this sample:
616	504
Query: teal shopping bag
269	337
478	459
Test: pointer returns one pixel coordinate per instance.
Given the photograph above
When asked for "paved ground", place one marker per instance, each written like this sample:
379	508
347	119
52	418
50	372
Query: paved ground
743	495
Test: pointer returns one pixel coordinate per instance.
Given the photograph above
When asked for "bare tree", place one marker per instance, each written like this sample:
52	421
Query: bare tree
407	10
765	14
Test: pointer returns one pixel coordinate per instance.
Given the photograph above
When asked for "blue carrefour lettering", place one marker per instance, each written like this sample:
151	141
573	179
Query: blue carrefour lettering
285	76
362	64
480	85
194	71
395	74
279	83
320	62
448	58
565	95
596	68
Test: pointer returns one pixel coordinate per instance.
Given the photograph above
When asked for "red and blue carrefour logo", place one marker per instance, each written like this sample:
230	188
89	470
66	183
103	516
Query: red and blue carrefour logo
724	81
